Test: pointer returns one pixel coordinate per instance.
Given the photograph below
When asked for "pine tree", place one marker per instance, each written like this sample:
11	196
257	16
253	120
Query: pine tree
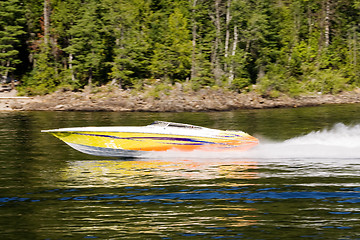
172	56
64	15
203	52
11	29
86	44
127	26
280	45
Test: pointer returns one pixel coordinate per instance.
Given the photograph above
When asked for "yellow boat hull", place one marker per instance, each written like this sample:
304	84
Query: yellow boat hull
129	144
158	136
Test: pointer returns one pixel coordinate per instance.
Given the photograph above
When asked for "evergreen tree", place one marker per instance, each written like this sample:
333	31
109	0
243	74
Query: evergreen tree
236	57
127	26
65	14
11	29
280	45
172	56
44	75
87	45
202	73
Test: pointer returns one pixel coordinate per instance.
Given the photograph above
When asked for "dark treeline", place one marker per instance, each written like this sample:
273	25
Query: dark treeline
288	46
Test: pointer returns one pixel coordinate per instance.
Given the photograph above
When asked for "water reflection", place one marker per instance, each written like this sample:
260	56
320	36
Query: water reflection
158	198
305	187
115	173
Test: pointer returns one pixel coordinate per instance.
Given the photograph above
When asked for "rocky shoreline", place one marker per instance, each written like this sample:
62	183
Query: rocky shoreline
173	100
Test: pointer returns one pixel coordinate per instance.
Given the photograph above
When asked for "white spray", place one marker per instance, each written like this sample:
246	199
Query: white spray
339	142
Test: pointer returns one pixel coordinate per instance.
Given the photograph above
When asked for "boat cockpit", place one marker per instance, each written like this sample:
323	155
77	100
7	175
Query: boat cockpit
171	124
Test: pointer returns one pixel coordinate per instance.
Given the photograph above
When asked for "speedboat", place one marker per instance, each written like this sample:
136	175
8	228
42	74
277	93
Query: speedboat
158	136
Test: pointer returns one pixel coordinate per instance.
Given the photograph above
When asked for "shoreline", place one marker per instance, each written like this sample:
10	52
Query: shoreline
175	100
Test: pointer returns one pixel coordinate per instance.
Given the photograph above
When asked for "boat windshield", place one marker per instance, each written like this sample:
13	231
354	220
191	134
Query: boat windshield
171	124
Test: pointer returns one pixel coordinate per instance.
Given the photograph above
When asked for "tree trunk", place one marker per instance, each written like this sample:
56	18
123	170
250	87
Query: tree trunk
46	22
327	23
90	78
12	84
310	30
233	52
7	65
355	49
71	67
227	34
217	69
193	56
120	44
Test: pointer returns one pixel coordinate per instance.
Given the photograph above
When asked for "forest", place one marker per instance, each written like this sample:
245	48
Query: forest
273	46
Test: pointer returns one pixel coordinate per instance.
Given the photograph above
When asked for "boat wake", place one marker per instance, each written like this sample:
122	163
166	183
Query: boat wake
339	142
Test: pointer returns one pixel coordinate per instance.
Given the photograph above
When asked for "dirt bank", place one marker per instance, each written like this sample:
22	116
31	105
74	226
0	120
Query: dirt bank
174	100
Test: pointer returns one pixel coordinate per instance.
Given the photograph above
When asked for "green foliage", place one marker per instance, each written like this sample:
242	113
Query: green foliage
172	56
278	80
126	24
86	44
327	81
199	82
282	46
159	89
240	83
43	79
11	29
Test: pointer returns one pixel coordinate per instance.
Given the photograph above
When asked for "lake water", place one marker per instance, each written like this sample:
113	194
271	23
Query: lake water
301	182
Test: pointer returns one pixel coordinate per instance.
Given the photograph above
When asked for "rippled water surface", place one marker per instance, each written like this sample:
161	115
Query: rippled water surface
301	182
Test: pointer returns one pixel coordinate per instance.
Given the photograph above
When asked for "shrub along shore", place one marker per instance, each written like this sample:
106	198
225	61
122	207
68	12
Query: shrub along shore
168	98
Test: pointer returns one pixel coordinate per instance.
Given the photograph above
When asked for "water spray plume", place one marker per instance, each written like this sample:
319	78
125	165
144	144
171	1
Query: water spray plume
339	142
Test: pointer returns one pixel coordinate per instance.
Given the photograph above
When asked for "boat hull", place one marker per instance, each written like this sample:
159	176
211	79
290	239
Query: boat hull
105	152
158	136
133	144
